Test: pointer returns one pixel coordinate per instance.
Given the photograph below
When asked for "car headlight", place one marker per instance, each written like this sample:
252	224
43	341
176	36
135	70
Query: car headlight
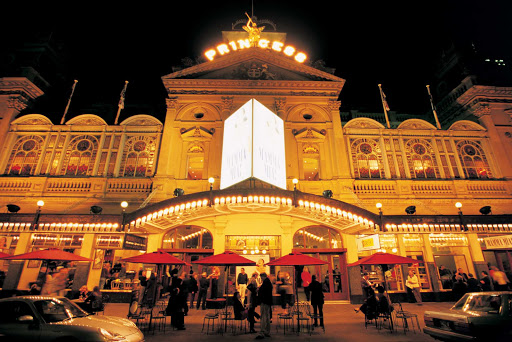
111	336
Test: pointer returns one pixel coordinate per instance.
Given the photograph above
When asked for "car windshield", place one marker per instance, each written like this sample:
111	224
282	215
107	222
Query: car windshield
479	302
58	310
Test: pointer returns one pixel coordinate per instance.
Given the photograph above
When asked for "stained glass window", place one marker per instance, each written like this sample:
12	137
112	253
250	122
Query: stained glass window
139	156
421	159
367	158
474	162
24	156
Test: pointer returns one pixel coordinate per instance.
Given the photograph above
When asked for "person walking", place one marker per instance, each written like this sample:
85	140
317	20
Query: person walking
317	300
413	287
252	302
501	281
265	299
193	288
204	283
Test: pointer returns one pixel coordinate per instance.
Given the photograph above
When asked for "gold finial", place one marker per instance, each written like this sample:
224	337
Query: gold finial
253	30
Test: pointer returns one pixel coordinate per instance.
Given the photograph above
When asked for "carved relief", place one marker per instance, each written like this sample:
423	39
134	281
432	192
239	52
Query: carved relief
280	103
172	103
480	109
17	102
333	105
227	103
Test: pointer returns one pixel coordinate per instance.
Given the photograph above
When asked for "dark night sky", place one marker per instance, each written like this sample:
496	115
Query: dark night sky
391	42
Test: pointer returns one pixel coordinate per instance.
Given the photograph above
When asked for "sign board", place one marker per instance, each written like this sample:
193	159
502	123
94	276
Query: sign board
498	242
253	146
367	243
135	242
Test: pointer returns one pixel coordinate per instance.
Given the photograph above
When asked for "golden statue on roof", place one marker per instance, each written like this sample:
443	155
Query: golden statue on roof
253	30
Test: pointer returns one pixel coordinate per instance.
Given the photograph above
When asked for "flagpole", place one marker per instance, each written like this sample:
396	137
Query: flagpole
433	107
121	102
384	105
69	102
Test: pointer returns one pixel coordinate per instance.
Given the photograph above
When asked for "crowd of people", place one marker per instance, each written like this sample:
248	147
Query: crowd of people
461	283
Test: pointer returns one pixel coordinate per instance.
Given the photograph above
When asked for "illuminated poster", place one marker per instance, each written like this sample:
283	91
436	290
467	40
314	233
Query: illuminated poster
237	147
253	146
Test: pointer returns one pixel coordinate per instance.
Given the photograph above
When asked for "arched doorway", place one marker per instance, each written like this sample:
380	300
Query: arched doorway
326	244
189	243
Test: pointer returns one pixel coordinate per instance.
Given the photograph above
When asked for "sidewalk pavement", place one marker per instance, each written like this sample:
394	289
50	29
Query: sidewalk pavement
341	324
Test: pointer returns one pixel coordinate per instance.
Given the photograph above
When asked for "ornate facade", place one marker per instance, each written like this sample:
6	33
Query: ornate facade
169	174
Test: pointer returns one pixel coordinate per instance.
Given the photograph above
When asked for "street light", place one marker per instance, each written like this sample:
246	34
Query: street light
458	205
295	181
35	224
379	206
124	205
211	180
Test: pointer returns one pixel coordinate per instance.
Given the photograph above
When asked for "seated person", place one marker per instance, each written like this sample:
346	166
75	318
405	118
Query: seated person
238	307
370	305
94	302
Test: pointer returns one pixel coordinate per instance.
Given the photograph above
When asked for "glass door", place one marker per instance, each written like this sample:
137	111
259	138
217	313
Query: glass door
332	275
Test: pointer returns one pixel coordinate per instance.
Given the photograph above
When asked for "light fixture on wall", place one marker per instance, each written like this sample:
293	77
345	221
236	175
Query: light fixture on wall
178	192
13	208
96	209
410	210
486	210
295	181
327	193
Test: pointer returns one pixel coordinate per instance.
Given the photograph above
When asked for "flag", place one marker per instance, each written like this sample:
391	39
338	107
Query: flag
433	108
69	102
121	102
123	94
384	105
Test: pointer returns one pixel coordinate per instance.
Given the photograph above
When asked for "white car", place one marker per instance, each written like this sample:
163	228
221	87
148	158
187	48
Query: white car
57	319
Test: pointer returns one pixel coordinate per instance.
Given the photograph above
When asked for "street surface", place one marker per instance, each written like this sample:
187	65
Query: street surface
341	324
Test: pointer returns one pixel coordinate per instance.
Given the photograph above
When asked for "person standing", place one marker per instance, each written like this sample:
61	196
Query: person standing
241	283
306	280
485	281
214	277
193	287
184	291
317	300
265	299
204	283
252	301
473	284
366	285
413	287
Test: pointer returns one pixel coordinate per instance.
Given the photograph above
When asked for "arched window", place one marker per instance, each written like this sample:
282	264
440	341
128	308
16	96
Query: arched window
473	160
317	237
311	163
421	158
139	157
189	237
24	156
195	162
366	157
80	161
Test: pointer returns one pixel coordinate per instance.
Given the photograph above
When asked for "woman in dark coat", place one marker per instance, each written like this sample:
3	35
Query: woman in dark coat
317	300
149	293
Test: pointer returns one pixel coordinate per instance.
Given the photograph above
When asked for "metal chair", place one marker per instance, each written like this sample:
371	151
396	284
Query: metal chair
210	317
406	315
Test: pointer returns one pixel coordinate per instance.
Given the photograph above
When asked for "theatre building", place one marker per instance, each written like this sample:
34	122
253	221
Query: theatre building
255	157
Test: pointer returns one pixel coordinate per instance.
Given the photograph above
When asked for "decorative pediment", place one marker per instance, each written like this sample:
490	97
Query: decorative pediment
32	119
141	120
363	123
415	124
87	120
196	133
309	135
466	125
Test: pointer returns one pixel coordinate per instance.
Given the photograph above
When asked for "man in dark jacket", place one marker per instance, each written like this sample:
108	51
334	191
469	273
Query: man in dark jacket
317	300
204	283
265	299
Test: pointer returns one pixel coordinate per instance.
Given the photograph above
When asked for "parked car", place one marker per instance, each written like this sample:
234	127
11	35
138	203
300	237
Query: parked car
477	316
49	319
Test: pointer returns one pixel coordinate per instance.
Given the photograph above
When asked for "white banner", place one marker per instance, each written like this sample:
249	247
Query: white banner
498	242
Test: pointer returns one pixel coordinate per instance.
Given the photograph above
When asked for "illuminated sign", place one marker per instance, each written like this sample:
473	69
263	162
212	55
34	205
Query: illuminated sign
253	146
498	242
367	243
241	44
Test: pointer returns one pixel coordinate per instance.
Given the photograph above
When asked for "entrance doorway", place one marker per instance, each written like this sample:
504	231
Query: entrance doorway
332	276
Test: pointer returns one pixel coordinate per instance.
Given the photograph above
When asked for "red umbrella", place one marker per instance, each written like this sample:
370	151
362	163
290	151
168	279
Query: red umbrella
296	259
50	254
381	258
157	258
227	258
4	255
